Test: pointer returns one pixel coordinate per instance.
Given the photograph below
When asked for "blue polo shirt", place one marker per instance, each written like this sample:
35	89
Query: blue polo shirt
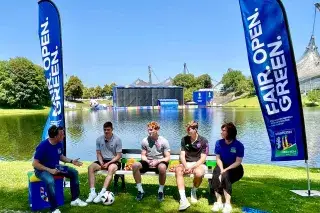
48	154
229	152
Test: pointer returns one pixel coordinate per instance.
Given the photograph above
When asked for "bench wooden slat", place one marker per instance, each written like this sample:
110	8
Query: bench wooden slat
125	172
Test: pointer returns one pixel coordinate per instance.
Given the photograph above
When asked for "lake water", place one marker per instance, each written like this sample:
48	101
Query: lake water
19	135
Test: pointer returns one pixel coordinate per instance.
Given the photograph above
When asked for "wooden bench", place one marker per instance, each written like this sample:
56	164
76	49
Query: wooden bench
135	154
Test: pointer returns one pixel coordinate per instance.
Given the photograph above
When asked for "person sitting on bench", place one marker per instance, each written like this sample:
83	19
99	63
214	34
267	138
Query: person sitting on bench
155	155
46	161
229	153
194	151
109	150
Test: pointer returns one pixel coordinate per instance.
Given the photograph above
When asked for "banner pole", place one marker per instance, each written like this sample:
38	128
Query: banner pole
308	176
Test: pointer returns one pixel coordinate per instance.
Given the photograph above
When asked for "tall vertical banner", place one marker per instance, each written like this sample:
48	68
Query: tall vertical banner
51	52
274	74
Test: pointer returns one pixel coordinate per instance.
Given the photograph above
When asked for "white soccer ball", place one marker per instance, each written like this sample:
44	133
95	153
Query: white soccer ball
107	198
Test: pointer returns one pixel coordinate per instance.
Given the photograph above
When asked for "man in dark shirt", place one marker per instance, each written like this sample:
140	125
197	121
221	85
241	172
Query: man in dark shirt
194	150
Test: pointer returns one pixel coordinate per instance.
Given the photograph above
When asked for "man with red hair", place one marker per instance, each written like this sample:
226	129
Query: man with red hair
155	156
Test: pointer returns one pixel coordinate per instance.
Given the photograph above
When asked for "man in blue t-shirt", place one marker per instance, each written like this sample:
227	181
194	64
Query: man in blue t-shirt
46	164
229	153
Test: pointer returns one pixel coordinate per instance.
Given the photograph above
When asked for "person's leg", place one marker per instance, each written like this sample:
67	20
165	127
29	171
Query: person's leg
184	203
216	184
162	169
95	166
217	189
48	180
230	177
91	174
111	171
197	180
73	175
112	168
137	169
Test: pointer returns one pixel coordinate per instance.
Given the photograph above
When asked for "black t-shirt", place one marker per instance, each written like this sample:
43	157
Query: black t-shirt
194	150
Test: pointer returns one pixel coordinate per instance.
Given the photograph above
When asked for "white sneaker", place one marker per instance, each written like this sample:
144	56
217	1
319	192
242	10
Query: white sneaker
217	206
92	195
56	211
193	196
184	204
227	208
78	202
98	198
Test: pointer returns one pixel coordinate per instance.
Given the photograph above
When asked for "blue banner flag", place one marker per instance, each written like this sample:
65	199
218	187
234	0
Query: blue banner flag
274	74
51	52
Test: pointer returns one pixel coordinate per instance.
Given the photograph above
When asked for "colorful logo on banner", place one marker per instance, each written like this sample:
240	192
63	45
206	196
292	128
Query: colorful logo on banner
274	74
51	52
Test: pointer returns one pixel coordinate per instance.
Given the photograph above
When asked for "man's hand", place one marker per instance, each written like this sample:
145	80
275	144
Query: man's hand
105	166
53	171
153	163
76	162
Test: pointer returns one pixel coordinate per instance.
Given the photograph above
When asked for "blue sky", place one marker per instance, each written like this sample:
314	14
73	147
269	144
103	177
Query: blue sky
115	41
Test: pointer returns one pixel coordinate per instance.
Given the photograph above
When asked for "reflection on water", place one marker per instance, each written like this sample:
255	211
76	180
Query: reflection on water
20	134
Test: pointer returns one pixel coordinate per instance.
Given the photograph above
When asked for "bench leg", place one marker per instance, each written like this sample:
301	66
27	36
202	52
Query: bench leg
115	183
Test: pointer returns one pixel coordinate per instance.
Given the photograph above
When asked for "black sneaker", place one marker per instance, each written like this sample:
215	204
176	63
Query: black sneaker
160	196
139	196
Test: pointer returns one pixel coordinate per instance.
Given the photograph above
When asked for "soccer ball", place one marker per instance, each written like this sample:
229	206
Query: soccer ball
107	198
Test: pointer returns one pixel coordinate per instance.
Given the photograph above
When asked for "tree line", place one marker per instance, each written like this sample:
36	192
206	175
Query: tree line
22	85
74	88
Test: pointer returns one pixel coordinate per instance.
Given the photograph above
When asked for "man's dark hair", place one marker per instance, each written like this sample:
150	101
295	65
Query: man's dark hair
53	131
107	124
231	130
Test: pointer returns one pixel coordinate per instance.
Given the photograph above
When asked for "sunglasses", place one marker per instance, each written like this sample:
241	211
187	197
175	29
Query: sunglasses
192	127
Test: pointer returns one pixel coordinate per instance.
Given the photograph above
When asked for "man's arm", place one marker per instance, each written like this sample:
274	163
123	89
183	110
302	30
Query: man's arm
115	158
36	164
183	158
202	160
166	157
65	159
144	156
99	157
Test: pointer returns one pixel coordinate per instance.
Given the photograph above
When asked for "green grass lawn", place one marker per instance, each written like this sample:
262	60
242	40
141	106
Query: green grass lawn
80	105
10	112
263	187
252	101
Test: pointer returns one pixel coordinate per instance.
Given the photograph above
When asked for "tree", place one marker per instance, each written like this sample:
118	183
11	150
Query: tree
74	88
314	96
184	80
91	92
187	94
108	89
232	79
204	81
22	84
98	92
86	93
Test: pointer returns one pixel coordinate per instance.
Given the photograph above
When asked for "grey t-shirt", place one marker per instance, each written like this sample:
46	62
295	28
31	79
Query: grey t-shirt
155	149
109	148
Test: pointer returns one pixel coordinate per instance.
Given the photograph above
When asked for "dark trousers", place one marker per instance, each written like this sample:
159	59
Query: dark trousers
227	179
48	179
